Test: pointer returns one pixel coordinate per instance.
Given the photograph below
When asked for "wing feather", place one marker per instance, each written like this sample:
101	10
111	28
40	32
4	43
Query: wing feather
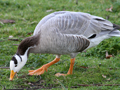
76	23
74	43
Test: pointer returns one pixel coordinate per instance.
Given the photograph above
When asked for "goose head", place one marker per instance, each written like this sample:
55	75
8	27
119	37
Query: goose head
20	58
16	63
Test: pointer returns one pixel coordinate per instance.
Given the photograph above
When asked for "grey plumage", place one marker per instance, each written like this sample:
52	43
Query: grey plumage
76	23
61	32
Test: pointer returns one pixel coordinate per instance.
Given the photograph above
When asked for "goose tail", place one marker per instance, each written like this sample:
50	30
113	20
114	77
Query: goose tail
115	31
116	26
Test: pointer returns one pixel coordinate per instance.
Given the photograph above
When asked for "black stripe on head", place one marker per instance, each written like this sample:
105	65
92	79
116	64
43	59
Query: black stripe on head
19	57
15	61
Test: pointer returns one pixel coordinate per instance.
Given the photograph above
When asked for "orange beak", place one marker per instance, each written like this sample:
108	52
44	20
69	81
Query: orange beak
12	74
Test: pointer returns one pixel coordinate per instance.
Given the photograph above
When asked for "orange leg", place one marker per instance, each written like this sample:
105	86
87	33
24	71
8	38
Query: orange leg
43	68
70	71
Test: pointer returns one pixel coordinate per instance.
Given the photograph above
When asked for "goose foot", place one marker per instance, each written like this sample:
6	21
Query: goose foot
43	68
38	71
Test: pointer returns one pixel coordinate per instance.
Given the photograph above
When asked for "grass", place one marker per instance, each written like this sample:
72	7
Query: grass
26	14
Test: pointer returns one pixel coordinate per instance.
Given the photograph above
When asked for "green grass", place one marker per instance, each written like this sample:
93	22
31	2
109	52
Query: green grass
27	13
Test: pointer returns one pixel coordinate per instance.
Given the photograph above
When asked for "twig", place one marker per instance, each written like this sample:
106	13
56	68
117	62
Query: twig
96	67
4	68
14	39
7	21
85	85
83	67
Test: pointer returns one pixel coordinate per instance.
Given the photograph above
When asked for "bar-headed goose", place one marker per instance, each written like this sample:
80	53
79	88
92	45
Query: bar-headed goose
63	32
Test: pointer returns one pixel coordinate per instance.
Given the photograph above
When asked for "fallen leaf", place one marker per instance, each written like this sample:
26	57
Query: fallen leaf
103	76
30	83
30	33
10	36
108	56
49	10
83	67
108	79
16	75
7	21
109	9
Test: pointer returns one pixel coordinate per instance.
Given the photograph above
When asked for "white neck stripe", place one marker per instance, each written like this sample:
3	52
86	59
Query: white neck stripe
19	57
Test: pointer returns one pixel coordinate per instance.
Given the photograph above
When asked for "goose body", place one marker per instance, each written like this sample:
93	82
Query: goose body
58	30
63	32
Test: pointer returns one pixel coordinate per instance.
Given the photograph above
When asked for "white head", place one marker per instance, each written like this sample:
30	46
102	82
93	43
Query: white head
17	62
20	58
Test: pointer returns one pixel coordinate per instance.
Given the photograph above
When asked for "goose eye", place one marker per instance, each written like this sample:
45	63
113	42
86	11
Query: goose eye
92	36
15	65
